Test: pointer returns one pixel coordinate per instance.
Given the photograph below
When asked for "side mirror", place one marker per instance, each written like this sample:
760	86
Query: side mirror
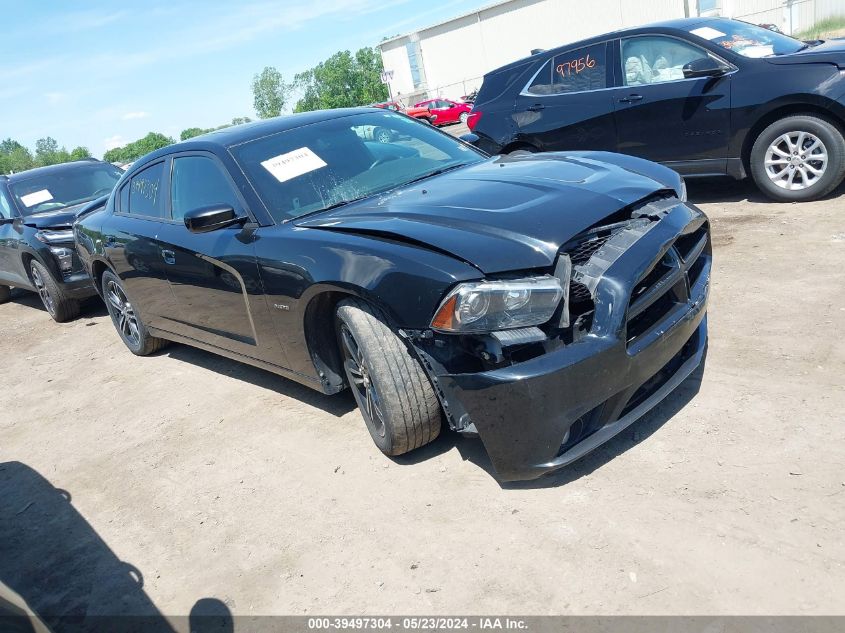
704	67
211	218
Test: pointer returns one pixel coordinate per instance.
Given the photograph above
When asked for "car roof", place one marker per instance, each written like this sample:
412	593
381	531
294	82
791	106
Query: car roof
234	135
677	24
50	169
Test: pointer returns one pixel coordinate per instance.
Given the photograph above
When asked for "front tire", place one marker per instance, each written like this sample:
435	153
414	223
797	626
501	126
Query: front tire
464	117
126	320
395	397
58	305
798	158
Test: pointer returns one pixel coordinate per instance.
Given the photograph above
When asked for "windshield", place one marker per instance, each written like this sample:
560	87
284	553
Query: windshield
310	168
65	187
746	39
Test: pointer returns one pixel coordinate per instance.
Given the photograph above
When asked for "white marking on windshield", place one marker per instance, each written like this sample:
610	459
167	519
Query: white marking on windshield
36	197
707	33
292	164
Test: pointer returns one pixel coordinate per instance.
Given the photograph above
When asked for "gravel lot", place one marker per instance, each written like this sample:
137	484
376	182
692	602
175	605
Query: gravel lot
212	479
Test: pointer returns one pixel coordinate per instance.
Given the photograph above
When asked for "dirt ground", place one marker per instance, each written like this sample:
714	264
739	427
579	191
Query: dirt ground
212	479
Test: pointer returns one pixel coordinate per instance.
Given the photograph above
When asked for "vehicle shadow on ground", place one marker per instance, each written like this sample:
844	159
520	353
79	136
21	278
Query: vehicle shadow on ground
89	308
337	405
472	450
55	566
709	190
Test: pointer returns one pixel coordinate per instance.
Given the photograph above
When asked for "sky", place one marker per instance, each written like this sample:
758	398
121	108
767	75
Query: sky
100	74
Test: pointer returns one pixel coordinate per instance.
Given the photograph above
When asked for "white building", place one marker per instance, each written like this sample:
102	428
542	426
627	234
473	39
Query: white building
449	59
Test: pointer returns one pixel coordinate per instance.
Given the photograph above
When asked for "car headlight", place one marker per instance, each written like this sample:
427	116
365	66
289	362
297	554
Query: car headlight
488	306
682	194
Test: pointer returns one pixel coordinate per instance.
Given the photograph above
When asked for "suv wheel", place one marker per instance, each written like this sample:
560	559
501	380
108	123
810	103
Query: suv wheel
5	293
382	135
58	305
798	158
395	397
126	320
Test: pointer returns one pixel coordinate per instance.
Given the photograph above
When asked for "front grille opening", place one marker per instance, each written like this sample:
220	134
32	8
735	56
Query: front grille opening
659	379
650	317
686	244
657	273
696	269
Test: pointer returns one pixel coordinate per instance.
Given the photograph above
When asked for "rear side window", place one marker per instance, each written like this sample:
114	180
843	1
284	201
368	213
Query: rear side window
145	192
579	70
197	181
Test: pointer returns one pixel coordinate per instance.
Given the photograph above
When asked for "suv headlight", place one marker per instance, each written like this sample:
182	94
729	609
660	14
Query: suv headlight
488	306
55	237
64	257
682	194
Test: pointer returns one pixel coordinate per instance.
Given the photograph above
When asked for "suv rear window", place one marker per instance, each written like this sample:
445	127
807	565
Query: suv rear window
580	70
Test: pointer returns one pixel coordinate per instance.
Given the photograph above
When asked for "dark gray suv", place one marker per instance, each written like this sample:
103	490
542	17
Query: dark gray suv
37	210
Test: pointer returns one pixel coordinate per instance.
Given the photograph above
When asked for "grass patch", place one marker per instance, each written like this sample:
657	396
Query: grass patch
822	29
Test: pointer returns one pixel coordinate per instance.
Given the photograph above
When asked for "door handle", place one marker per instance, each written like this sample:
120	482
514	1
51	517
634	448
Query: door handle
168	256
631	99
536	107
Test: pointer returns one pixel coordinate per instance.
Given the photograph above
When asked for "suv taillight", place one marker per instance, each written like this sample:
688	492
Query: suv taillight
473	119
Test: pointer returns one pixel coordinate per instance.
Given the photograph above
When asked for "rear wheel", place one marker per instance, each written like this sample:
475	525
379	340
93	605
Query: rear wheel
798	158
58	305
5	293
126	320
395	397
464	117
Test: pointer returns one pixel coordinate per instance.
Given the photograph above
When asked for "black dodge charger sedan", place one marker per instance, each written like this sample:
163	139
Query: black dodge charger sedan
705	96
541	302
37	209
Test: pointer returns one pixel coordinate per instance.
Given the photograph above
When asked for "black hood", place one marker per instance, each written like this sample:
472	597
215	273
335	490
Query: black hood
507	213
829	51
58	219
64	218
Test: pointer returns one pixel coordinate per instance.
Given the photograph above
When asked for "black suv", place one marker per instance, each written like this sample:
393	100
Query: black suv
706	97
543	302
37	210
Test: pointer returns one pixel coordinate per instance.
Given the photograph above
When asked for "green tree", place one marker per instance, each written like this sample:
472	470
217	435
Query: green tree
269	93
191	132
241	119
20	159
343	80
48	152
78	153
14	157
134	150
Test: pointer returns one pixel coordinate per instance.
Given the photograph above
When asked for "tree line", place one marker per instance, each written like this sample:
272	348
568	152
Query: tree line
15	157
156	140
343	80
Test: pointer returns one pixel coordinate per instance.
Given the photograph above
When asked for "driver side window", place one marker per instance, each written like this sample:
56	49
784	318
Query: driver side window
656	59
197	181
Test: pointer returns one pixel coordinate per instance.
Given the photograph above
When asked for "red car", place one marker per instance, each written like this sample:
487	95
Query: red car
447	111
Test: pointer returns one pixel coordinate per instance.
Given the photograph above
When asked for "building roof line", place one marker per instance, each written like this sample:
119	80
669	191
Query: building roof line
407	34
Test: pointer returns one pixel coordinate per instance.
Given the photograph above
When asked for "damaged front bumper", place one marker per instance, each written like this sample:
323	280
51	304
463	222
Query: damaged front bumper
647	333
